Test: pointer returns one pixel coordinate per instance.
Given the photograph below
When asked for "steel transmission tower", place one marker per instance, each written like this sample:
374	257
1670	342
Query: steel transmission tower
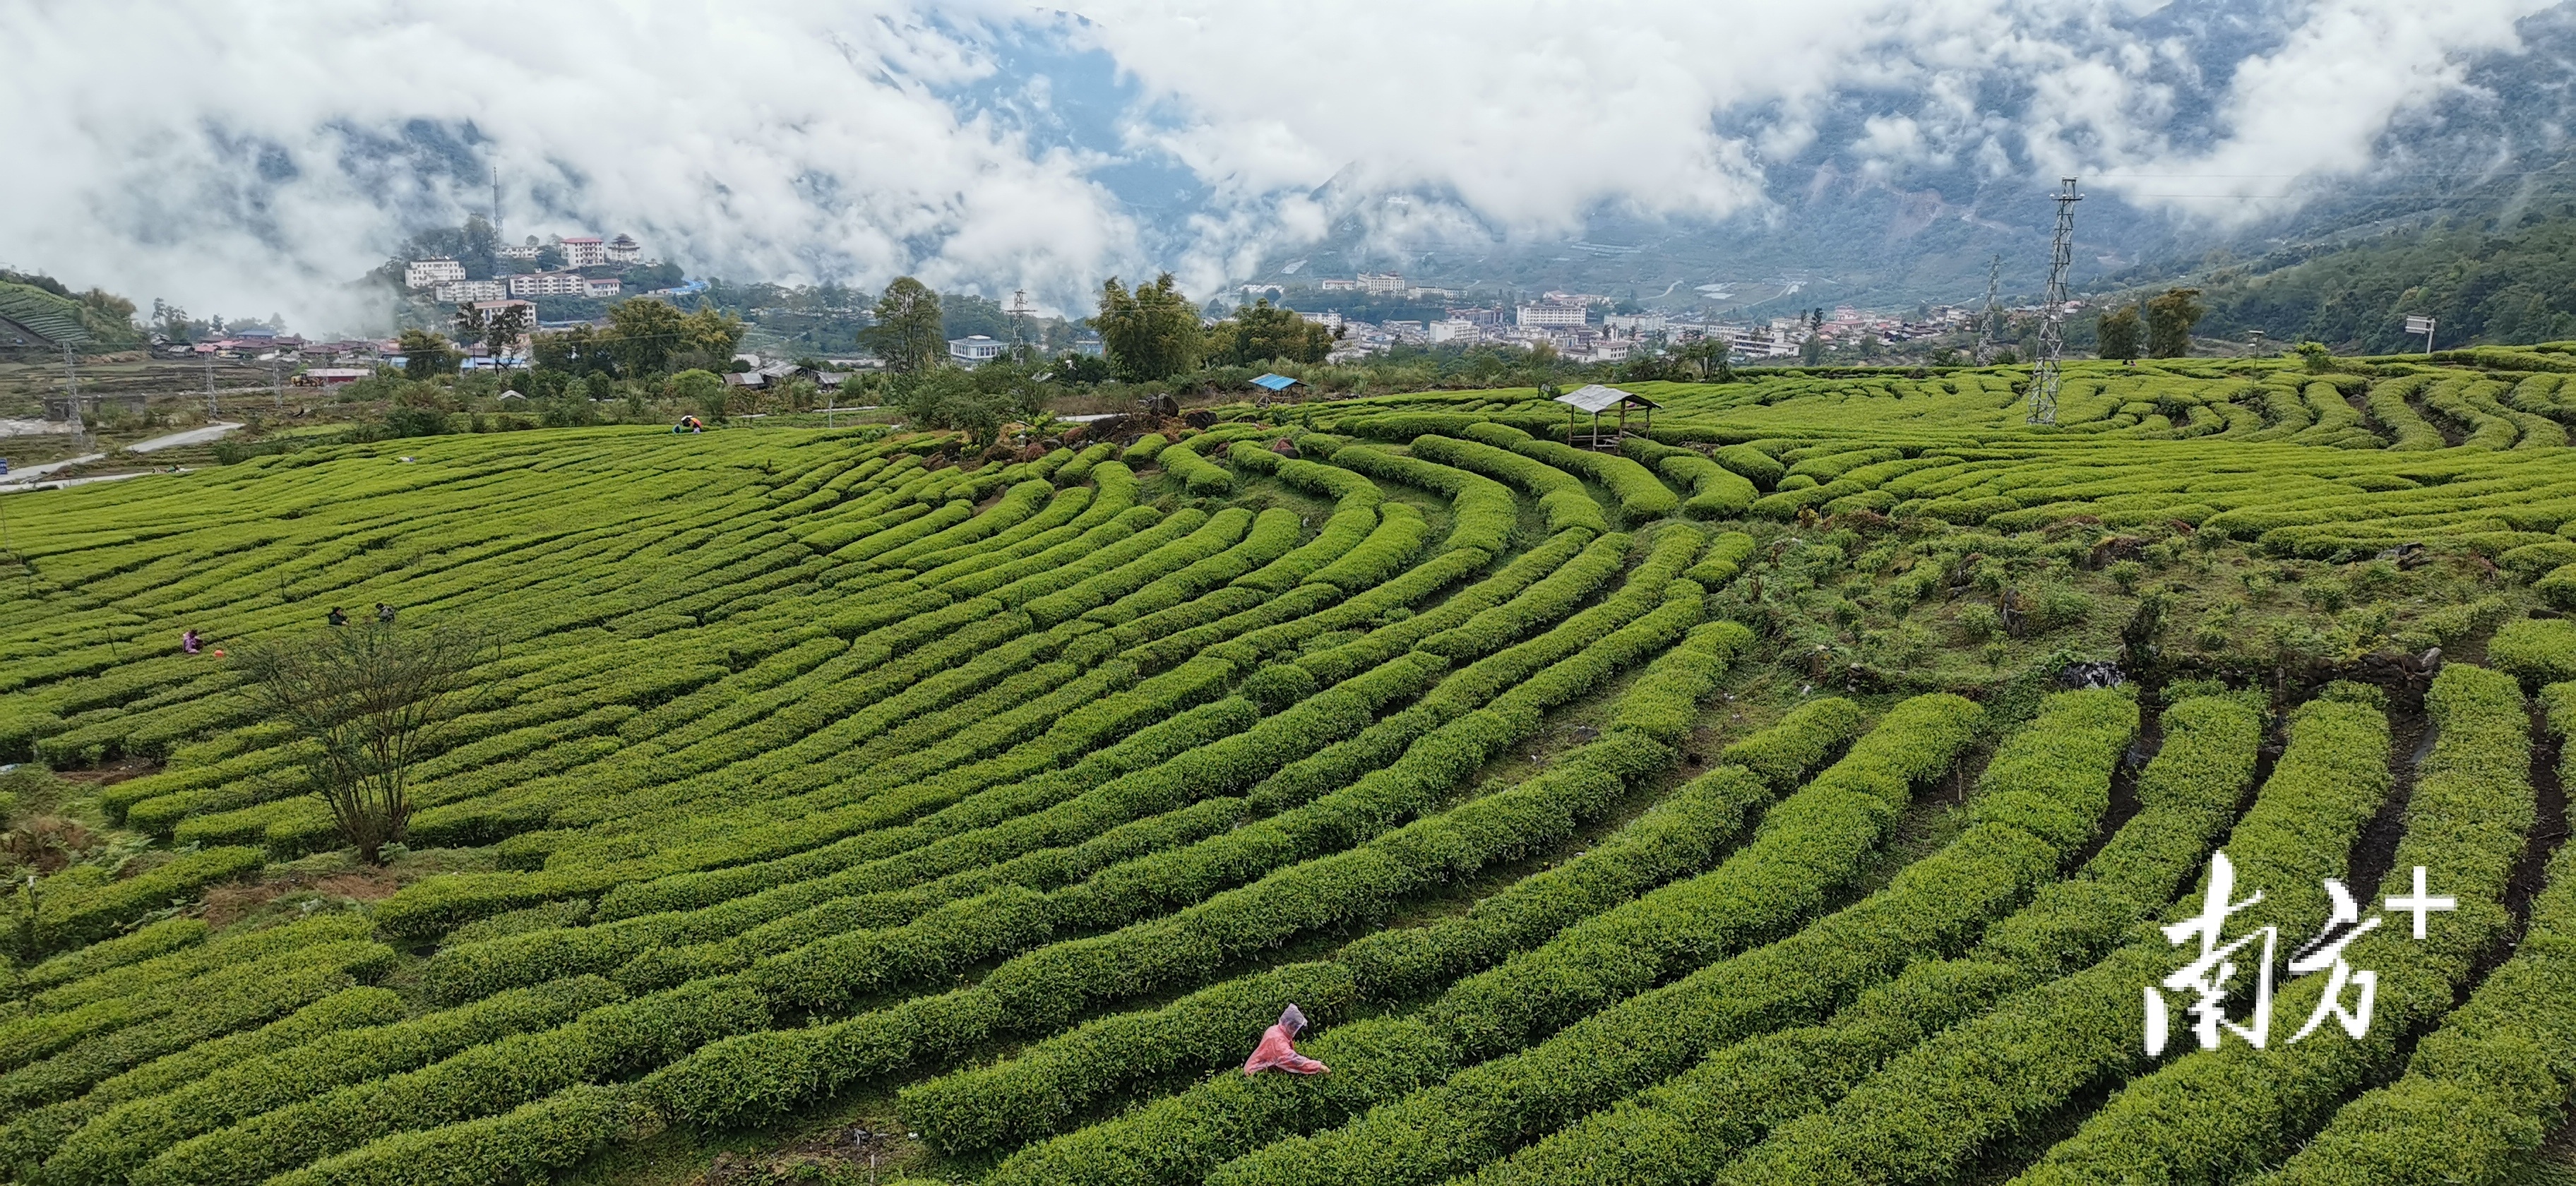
2052	337
1993	311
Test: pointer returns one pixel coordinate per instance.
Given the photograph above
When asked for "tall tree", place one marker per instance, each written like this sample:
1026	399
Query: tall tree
1260	333
907	333
2169	321
502	329
1152	333
642	334
366	704
426	354
2118	333
712	332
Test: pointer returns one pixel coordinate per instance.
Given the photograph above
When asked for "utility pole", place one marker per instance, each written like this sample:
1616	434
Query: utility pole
2052	337
211	411
276	381
1986	320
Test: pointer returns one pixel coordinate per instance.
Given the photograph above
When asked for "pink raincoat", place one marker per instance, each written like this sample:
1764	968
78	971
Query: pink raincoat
1275	1052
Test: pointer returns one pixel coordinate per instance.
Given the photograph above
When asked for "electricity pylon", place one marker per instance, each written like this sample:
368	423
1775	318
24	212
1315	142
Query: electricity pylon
2052	337
1986	319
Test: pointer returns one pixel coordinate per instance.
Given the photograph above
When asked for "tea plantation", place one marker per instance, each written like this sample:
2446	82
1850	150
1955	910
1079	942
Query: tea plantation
1740	803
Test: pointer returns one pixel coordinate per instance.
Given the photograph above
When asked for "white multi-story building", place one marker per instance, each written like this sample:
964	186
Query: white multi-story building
1382	283
425	273
458	292
541	284
1453	330
623	250
583	251
976	348
527	250
603	289
1329	320
1635	323
1548	315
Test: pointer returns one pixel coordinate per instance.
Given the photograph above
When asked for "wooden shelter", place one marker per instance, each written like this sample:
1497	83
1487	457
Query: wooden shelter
1597	399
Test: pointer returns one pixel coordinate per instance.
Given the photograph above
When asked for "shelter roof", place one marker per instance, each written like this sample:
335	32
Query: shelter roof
1597	398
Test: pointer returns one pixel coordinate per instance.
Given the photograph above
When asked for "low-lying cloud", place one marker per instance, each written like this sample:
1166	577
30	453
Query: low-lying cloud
254	158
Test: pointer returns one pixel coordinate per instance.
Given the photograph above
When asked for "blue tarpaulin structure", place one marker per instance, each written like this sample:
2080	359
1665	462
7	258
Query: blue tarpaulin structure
1276	383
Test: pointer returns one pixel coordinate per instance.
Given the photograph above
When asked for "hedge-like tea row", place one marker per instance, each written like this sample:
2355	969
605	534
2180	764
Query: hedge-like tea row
1399	537
1341	533
1642	496
1219	755
221	1004
976	1110
1541	586
1201	477
1482	509
1561	496
114	1143
1755	893
758	857
167	935
1679	835
67	916
2222	1112
2043	796
1220	533
523	1144
1726	556
828	972
2536	651
1936	1108
2484	1090
480	1081
1046	987
25	1142
1036	1092
1686	1128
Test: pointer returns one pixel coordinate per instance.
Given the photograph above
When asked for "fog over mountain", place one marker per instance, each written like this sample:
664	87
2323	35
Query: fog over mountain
251	158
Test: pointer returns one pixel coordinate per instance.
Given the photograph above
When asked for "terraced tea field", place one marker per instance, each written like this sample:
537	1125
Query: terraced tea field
1718	808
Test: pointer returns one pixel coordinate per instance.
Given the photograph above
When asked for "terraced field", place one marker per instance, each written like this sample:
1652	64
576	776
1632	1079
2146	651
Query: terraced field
1707	809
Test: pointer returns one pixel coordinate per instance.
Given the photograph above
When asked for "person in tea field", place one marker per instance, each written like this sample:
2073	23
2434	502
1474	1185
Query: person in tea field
1277	1052
338	618
384	613
188	641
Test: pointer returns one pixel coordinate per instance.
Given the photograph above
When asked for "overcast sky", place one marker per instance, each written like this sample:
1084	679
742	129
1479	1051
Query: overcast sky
248	158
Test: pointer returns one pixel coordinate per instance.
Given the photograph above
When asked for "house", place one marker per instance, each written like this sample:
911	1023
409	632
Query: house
1453	330
459	292
1090	345
1382	283
601	289
975	349
335	376
424	273
527	250
623	250
583	251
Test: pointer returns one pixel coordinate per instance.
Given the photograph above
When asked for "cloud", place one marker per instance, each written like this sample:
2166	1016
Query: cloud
255	158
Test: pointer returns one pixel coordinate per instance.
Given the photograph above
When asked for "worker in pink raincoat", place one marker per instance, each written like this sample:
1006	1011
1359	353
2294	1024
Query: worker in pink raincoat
1275	1053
